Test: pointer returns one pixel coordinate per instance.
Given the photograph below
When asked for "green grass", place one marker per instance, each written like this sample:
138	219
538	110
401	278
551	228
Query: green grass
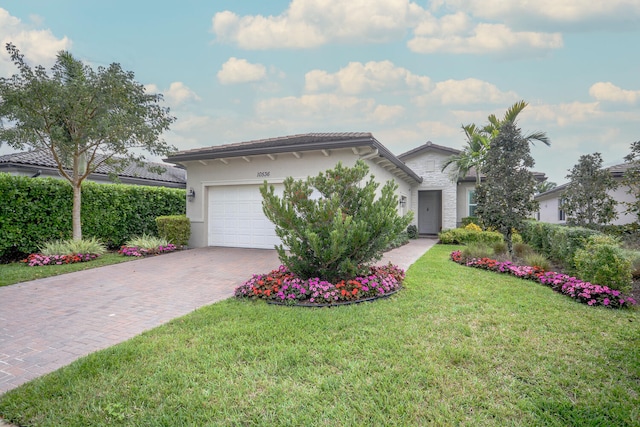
19	272
458	346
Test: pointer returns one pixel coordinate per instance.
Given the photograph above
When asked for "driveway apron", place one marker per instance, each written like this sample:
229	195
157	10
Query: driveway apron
48	323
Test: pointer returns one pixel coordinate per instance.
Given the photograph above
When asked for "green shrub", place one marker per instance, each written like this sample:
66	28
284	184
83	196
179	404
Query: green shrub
464	236
500	248
634	257
412	231
336	235
469	220
72	247
175	228
477	251
34	211
534	259
604	264
557	242
147	242
521	250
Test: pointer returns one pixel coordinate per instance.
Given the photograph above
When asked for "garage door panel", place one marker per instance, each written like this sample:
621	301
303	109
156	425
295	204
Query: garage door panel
236	218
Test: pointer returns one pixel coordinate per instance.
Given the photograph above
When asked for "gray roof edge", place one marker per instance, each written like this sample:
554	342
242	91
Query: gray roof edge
428	145
259	149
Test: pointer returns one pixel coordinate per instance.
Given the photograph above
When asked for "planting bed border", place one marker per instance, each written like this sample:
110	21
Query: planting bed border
334	304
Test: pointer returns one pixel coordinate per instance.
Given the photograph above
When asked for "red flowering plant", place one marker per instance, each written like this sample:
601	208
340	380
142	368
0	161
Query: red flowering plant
584	292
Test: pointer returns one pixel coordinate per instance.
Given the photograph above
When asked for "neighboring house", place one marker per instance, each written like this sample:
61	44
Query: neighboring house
40	163
550	201
226	210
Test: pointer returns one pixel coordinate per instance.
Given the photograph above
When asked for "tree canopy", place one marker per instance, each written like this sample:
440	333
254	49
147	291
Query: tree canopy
505	198
586	200
83	117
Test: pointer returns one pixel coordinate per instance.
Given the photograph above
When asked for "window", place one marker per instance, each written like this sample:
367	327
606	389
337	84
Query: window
472	202
561	215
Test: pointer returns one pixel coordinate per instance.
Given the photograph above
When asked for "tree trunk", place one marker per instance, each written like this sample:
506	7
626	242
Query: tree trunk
508	237
77	199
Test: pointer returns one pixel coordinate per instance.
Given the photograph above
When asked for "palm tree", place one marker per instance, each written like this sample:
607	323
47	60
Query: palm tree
511	115
479	139
473	155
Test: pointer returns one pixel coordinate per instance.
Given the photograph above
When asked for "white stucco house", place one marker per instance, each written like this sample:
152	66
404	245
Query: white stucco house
225	207
550	201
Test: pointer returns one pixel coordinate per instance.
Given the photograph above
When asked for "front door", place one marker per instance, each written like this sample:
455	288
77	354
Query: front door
429	212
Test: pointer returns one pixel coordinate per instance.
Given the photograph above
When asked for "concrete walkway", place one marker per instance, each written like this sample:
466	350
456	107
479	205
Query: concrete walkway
48	323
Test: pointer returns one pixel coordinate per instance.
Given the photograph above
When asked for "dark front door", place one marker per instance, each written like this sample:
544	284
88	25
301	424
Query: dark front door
429	212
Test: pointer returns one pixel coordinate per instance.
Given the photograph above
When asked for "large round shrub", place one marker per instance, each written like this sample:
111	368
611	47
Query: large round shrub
333	226
604	264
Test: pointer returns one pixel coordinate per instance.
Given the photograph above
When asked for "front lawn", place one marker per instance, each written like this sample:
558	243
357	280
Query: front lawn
457	346
17	272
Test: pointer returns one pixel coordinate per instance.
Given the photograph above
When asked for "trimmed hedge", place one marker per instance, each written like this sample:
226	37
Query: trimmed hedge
34	211
558	242
465	236
175	228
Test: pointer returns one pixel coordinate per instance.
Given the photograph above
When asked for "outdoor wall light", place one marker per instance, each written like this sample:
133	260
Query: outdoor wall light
191	194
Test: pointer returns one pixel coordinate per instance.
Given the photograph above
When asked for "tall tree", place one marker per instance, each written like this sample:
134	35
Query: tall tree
83	117
586	201
632	179
505	198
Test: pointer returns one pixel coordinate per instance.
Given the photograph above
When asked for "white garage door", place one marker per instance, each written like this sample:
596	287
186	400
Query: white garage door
236	218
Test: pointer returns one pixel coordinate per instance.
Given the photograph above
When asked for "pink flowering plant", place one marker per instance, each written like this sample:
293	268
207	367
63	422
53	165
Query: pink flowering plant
584	292
284	287
146	245
140	252
36	260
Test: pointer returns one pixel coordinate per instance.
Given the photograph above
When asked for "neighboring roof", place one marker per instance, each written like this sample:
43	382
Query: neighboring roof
42	159
428	146
616	172
296	143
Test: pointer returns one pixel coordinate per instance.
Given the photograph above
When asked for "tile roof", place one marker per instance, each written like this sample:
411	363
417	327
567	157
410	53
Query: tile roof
43	158
299	141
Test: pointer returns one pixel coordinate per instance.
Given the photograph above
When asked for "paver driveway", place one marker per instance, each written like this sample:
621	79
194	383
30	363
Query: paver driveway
48	323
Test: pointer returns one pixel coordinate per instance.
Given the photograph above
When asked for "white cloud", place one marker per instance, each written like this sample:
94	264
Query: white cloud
39	47
465	92
178	93
567	113
552	13
387	113
607	91
357	78
454	36
312	23
241	71
316	107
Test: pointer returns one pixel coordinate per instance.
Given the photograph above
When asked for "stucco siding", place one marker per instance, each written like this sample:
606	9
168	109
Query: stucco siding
238	171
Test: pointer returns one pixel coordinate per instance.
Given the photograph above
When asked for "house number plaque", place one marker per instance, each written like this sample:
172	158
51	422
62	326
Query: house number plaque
264	174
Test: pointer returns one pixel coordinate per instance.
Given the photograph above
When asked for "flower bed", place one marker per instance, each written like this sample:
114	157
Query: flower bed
140	252
584	292
282	286
35	260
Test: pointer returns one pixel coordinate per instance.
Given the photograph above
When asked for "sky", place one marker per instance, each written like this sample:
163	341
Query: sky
406	71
